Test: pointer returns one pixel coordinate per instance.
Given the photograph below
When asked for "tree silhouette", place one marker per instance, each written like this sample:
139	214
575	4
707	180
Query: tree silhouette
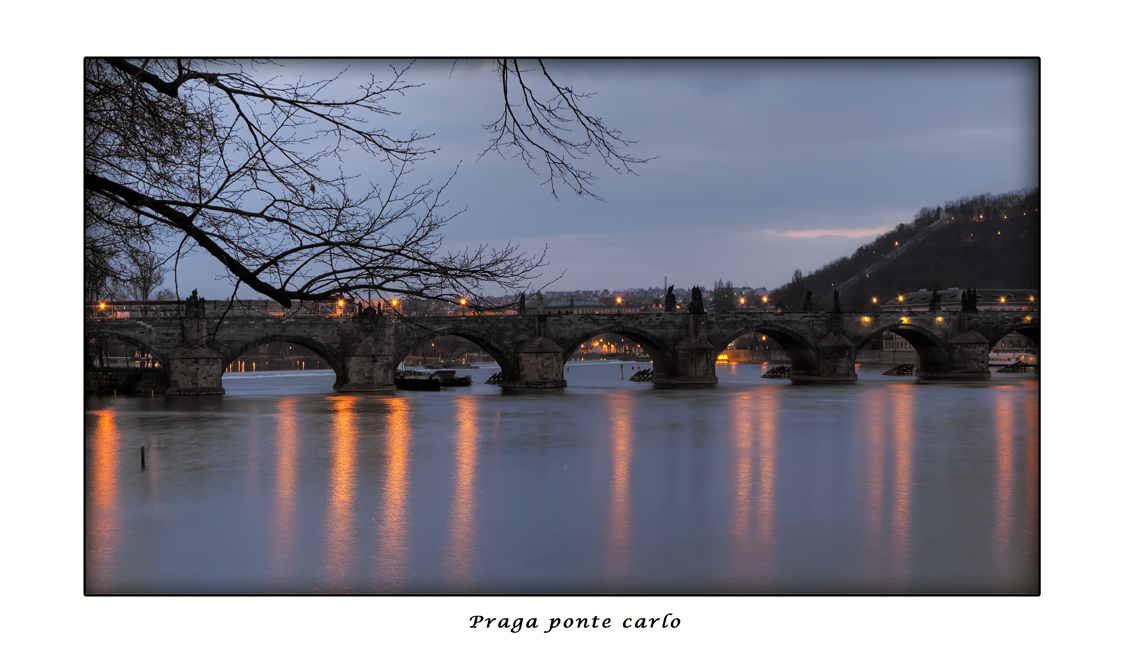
243	160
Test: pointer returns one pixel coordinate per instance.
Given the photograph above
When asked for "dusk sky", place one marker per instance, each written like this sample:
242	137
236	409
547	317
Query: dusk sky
758	166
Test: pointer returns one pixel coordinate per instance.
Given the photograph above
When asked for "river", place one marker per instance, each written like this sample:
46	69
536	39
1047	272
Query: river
608	486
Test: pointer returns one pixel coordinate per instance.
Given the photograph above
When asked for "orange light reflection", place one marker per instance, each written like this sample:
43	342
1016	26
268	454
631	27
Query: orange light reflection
392	562
285	491
903	482
103	520
340	525
1031	475
875	477
462	520
620	517
1004	477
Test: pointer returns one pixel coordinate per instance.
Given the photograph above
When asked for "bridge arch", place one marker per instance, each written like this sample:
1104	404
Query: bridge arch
932	352
479	338
232	351
1030	330
663	357
136	342
799	349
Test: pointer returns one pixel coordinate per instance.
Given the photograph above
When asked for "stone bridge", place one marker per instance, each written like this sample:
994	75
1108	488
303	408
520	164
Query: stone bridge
532	350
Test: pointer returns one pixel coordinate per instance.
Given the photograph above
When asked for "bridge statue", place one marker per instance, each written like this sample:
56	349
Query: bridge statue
696	306
935	301
669	300
835	302
808	301
193	307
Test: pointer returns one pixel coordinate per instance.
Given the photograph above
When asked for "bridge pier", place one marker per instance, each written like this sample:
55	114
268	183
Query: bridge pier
694	365
367	373
368	365
194	368
967	359
541	365
195	371
835	362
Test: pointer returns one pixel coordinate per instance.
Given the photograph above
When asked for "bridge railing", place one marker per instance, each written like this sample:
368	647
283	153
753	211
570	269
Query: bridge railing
264	308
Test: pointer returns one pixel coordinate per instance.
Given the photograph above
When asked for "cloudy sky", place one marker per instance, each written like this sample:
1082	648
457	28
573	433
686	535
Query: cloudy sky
758	166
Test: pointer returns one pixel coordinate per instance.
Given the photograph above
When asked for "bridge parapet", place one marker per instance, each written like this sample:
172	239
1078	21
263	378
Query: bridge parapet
532	349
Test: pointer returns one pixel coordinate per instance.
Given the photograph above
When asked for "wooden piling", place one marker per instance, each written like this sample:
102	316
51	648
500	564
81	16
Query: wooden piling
142	457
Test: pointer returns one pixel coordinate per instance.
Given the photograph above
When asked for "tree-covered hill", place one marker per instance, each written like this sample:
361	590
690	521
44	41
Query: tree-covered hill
990	242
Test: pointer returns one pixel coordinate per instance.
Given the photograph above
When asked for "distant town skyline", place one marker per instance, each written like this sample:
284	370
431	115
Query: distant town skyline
759	166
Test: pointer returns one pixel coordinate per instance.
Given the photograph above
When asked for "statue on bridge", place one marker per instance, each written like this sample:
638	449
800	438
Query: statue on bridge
808	301
968	301
522	303
935	301
193	307
696	306
669	300
835	302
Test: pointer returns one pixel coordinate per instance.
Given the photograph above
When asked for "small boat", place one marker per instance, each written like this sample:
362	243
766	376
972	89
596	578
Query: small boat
410	380
449	378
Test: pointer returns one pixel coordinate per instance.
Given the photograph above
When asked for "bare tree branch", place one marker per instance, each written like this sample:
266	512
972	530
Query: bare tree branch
184	153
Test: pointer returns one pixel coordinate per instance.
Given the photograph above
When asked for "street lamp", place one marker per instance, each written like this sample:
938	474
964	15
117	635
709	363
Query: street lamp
618	305
765	301
463	302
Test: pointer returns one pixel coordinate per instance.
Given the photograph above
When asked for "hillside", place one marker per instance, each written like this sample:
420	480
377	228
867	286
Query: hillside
982	242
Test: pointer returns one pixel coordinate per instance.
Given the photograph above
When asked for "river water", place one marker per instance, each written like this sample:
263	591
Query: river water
608	486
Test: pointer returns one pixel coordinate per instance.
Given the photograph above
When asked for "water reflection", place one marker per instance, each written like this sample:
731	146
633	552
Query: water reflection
743	487
900	538
1031	507
1004	477
462	520
755	460
391	565
341	494
253	459
619	552
875	477
767	418
103	520
285	491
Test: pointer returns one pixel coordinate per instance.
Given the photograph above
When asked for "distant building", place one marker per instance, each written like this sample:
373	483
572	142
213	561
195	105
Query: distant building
587	305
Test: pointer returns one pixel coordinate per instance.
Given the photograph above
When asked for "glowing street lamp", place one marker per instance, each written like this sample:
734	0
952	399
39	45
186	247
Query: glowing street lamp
743	301
765	301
